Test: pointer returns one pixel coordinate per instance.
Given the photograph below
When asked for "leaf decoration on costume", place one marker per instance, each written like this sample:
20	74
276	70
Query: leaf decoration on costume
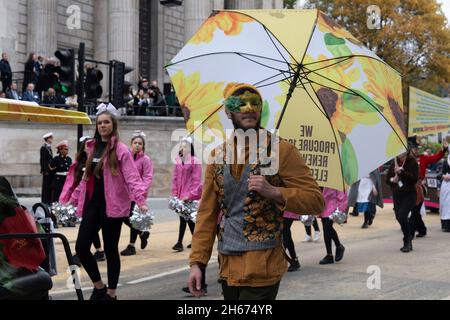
233	104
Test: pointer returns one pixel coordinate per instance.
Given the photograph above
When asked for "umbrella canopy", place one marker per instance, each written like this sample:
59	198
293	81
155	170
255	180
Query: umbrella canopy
13	110
330	96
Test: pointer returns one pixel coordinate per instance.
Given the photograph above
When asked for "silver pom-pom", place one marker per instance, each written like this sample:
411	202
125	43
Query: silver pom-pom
64	214
307	220
185	209
338	217
142	221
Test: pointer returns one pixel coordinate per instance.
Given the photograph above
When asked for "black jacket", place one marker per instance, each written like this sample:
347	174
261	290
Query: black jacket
46	159
409	176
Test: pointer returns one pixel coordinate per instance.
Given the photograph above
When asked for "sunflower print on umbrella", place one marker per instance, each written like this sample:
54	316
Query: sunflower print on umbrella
200	99
229	22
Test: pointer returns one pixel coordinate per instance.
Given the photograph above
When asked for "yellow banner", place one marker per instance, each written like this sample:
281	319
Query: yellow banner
428	114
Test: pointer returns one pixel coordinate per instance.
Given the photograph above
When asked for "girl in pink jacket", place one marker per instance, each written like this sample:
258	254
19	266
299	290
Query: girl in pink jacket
186	184
145	167
110	183
70	193
333	199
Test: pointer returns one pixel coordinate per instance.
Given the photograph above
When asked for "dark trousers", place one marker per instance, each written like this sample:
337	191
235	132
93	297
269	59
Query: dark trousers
315	226
404	203
46	194
287	238
182	229
417	223
250	293
329	234
94	219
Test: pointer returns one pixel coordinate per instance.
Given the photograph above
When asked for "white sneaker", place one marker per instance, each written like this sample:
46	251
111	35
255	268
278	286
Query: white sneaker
316	236
307	239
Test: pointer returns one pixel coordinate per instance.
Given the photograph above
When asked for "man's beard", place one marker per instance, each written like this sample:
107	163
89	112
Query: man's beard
238	126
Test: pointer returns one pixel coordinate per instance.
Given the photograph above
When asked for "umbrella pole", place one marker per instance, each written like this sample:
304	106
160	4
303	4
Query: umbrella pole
290	92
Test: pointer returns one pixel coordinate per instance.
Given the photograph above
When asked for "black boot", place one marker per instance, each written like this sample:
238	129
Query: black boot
407	245
366	221
294	266
339	253
328	259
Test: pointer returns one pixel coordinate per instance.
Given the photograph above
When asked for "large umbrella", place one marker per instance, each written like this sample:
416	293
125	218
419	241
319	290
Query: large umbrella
331	97
21	111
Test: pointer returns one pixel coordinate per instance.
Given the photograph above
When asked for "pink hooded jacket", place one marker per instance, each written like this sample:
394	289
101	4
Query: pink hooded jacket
333	199
144	166
120	190
187	179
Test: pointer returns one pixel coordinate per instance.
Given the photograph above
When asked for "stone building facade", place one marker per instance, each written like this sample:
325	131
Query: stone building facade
142	33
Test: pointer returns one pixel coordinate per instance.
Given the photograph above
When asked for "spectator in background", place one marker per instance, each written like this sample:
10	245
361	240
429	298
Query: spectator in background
31	72
143	84
51	98
72	102
12	92
2	94
30	95
5	72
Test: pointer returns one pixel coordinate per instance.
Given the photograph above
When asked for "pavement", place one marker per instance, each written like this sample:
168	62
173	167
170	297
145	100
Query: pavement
373	267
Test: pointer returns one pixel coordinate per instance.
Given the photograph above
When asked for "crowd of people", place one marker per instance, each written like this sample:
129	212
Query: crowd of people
40	84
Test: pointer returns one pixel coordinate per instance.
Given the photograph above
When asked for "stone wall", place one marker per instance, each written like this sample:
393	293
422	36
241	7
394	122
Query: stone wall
20	144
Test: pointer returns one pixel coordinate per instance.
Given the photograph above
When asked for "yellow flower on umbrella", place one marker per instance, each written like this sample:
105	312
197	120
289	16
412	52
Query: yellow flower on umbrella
386	89
326	25
229	22
200	101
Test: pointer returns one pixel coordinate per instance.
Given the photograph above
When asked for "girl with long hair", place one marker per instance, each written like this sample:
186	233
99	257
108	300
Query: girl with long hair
109	185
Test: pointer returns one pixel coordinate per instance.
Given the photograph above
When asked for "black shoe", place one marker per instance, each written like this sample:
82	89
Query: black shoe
98	294
328	259
144	239
354	213
129	251
178	247
99	256
407	245
339	253
189	246
76	260
294	266
365	225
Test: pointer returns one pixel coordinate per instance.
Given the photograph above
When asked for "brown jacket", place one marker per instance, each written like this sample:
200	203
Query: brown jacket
255	268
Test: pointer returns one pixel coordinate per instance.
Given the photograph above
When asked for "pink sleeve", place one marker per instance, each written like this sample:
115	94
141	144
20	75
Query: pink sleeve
147	173
75	196
175	181
131	175
195	191
68	185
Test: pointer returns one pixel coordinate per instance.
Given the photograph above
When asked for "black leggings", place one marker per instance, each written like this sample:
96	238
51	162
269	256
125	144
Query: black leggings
315	226
287	238
329	234
94	219
96	242
182	229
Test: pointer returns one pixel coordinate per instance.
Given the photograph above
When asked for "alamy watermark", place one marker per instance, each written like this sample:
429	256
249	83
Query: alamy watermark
74	17
373	17
374	280
262	151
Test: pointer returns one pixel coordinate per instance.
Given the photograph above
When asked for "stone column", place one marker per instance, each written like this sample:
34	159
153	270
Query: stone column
123	34
245	4
195	13
42	27
101	40
9	29
219	5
